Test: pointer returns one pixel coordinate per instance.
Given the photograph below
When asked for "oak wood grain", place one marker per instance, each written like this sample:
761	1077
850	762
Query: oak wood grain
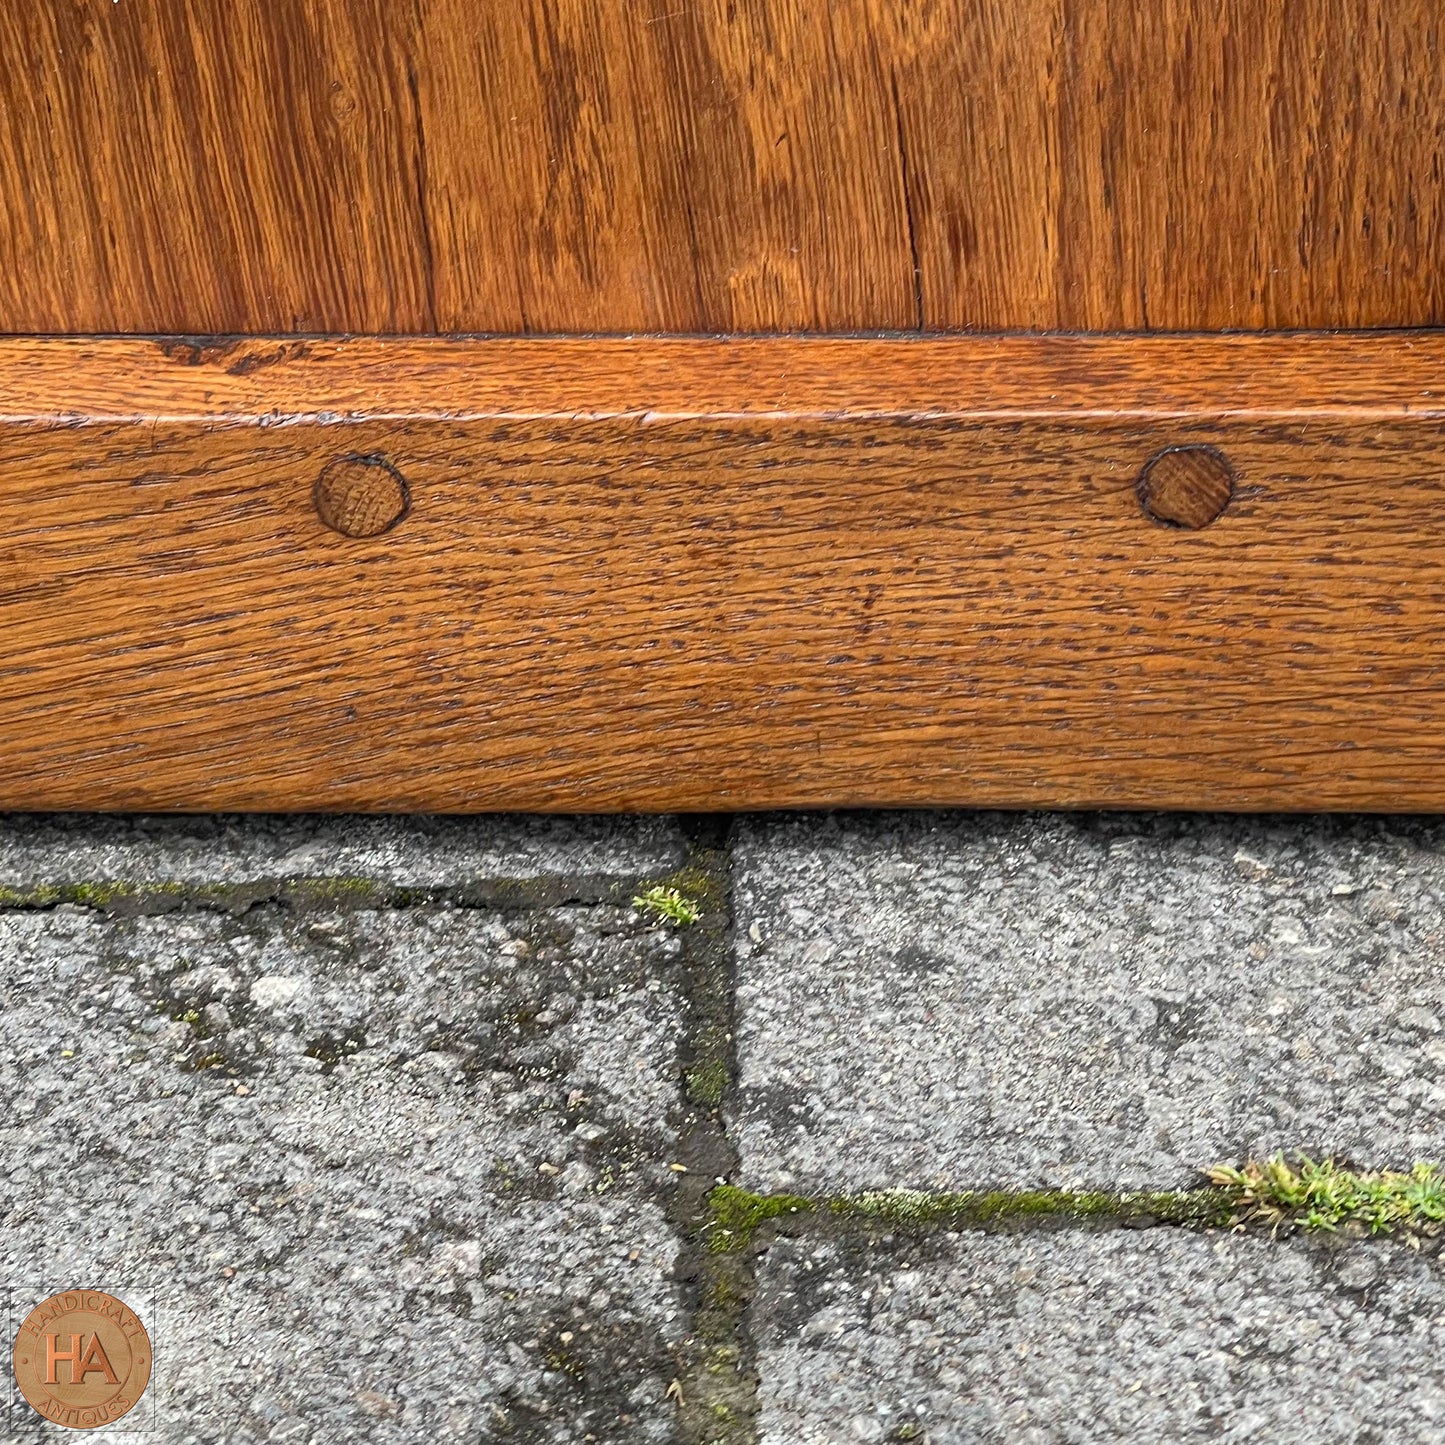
179	165
759	165
693	574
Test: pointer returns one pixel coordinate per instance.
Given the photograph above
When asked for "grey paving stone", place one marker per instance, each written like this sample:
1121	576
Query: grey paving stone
959	1001
81	848
1073	1337
388	1175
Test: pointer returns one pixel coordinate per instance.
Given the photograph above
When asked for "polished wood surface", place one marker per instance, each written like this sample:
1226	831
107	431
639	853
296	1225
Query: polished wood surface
692	574
212	166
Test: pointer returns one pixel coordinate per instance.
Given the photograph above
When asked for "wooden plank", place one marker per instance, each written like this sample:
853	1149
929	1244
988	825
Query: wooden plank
767	165
1175	164
693	574
222	165
662	167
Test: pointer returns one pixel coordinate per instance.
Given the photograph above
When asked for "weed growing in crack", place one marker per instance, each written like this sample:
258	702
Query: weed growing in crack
1325	1195
669	903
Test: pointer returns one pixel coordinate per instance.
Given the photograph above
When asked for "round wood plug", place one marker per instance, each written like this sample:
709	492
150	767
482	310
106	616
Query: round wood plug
1186	486
360	496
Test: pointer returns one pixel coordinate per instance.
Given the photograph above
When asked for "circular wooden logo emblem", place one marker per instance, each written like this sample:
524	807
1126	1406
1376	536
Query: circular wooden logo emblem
82	1359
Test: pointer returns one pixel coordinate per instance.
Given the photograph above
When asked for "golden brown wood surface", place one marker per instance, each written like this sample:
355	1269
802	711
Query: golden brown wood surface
563	165
694	574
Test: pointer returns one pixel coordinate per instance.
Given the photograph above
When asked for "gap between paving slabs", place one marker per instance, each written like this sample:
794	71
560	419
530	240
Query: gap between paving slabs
705	1050
726	1226
1278	1198
722	1227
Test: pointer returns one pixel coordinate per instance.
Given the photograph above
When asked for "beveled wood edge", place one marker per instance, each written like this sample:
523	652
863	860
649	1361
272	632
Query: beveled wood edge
276	380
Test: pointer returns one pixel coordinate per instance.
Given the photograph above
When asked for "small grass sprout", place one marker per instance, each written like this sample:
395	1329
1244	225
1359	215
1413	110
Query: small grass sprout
668	903
1322	1194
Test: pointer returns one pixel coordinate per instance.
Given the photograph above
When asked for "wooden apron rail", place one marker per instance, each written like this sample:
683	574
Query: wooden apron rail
588	574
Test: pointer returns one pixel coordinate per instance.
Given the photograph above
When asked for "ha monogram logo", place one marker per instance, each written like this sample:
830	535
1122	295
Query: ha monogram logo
82	1359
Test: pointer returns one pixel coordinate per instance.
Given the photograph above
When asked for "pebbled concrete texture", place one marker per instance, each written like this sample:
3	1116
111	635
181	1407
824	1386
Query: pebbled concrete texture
1093	1338
438	851
987	1000
389	1158
387	1174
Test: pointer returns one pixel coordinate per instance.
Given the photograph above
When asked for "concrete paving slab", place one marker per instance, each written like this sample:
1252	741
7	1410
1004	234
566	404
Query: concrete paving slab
955	1001
388	1175
1080	1338
83	848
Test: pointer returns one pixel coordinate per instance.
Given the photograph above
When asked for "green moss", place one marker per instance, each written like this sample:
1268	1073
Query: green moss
103	894
563	1363
707	1082
909	1207
735	1213
89	895
331	890
722	1293
698	881
41	897
718	1400
112	894
344	892
98	895
1324	1195
1303	1194
668	903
